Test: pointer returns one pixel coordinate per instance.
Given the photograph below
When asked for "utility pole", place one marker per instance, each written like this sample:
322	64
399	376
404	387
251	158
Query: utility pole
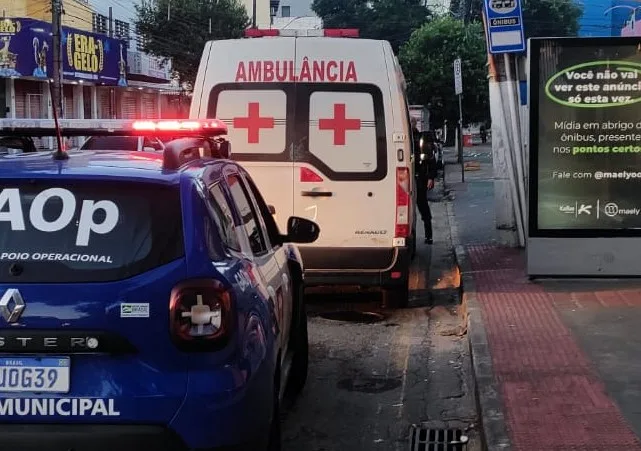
111	22
254	14
56	21
458	90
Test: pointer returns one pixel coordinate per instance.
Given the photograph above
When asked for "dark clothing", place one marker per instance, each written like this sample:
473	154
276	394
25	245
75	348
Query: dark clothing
424	170
424	208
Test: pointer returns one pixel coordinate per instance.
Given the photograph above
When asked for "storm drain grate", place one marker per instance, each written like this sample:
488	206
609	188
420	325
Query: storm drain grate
428	439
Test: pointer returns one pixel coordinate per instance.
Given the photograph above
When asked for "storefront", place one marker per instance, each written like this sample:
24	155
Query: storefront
94	71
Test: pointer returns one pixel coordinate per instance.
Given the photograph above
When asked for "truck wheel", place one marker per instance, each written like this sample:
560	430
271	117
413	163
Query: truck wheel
413	244
397	297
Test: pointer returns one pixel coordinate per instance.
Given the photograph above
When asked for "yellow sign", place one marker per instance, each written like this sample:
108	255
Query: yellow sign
8	26
85	53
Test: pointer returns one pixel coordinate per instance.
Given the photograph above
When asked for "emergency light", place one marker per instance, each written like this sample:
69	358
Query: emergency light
326	32
192	137
116	127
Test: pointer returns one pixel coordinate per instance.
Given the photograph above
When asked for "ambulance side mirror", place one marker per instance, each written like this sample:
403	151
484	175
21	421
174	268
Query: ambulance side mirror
225	149
301	230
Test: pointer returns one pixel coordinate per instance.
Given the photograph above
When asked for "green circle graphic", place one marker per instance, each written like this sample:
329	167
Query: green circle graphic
623	66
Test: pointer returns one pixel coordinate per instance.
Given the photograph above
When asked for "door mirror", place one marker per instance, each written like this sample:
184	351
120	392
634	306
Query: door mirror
224	148
301	230
272	210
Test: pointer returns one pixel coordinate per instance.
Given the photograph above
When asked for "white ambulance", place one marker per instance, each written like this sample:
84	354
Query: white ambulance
322	124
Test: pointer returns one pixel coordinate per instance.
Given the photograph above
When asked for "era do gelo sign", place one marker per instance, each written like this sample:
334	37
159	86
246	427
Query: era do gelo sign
85	53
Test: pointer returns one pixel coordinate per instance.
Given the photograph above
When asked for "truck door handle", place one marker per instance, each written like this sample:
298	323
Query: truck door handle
316	193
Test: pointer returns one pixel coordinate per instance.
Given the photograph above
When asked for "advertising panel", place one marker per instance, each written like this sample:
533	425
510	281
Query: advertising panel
585	158
26	51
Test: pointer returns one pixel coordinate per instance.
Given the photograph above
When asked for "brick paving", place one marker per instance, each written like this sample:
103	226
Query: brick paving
553	398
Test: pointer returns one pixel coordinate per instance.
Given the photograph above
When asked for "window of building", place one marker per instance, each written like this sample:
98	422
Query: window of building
140	41
121	31
285	11
100	24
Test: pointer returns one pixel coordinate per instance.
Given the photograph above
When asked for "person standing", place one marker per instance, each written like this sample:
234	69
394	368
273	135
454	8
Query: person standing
483	132
425	172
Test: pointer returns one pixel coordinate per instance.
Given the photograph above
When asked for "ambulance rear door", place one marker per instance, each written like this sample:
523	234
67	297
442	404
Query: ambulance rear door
343	179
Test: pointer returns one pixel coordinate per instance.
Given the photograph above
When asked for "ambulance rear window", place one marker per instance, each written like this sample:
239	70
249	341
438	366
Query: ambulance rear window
338	128
69	231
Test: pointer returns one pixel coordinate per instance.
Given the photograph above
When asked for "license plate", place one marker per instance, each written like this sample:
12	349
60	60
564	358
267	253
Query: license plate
35	374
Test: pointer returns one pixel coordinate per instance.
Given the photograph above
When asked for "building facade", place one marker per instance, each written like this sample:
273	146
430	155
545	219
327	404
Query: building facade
152	92
105	74
265	11
610	18
296	14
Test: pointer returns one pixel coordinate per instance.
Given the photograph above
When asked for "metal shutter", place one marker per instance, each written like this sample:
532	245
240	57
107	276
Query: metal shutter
104	103
29	102
150	106
68	109
128	107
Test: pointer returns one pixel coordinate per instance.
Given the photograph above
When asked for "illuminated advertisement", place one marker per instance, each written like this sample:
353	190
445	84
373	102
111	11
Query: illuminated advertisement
585	158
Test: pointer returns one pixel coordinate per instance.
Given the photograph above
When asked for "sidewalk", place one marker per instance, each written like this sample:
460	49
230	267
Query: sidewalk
557	364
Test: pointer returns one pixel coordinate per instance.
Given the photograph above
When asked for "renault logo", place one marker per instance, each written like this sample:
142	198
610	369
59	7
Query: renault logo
11	305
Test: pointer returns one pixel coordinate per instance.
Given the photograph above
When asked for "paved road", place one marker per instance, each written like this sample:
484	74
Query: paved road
369	383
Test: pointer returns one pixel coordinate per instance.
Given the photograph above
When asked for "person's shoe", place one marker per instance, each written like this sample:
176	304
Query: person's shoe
429	241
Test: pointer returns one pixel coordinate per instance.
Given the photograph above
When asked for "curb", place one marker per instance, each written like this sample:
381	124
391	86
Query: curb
488	398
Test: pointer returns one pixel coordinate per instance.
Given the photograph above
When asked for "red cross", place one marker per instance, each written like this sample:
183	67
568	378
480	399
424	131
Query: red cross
340	124
253	123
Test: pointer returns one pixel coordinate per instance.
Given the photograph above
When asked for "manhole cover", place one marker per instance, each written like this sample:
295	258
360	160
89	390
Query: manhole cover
353	316
369	385
427	439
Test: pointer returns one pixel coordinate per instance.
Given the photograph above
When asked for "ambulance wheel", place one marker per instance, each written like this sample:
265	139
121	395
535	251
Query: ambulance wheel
413	245
397	297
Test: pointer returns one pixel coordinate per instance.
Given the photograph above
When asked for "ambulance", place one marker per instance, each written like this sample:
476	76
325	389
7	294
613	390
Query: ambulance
320	120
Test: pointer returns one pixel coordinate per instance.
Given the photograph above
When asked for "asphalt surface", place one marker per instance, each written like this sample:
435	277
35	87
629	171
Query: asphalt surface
369	382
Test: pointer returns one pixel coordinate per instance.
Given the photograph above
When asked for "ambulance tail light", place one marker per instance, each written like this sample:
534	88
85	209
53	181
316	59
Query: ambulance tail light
200	315
309	176
402	228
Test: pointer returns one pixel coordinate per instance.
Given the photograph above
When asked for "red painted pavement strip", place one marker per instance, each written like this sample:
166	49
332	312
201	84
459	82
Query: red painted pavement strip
553	398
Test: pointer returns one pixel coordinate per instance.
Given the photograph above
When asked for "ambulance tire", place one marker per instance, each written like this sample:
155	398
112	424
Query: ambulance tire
413	245
397	297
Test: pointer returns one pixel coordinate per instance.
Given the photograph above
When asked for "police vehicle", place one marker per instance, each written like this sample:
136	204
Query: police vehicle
147	299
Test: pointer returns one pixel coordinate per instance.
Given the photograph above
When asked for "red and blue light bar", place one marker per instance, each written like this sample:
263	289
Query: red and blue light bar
115	127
